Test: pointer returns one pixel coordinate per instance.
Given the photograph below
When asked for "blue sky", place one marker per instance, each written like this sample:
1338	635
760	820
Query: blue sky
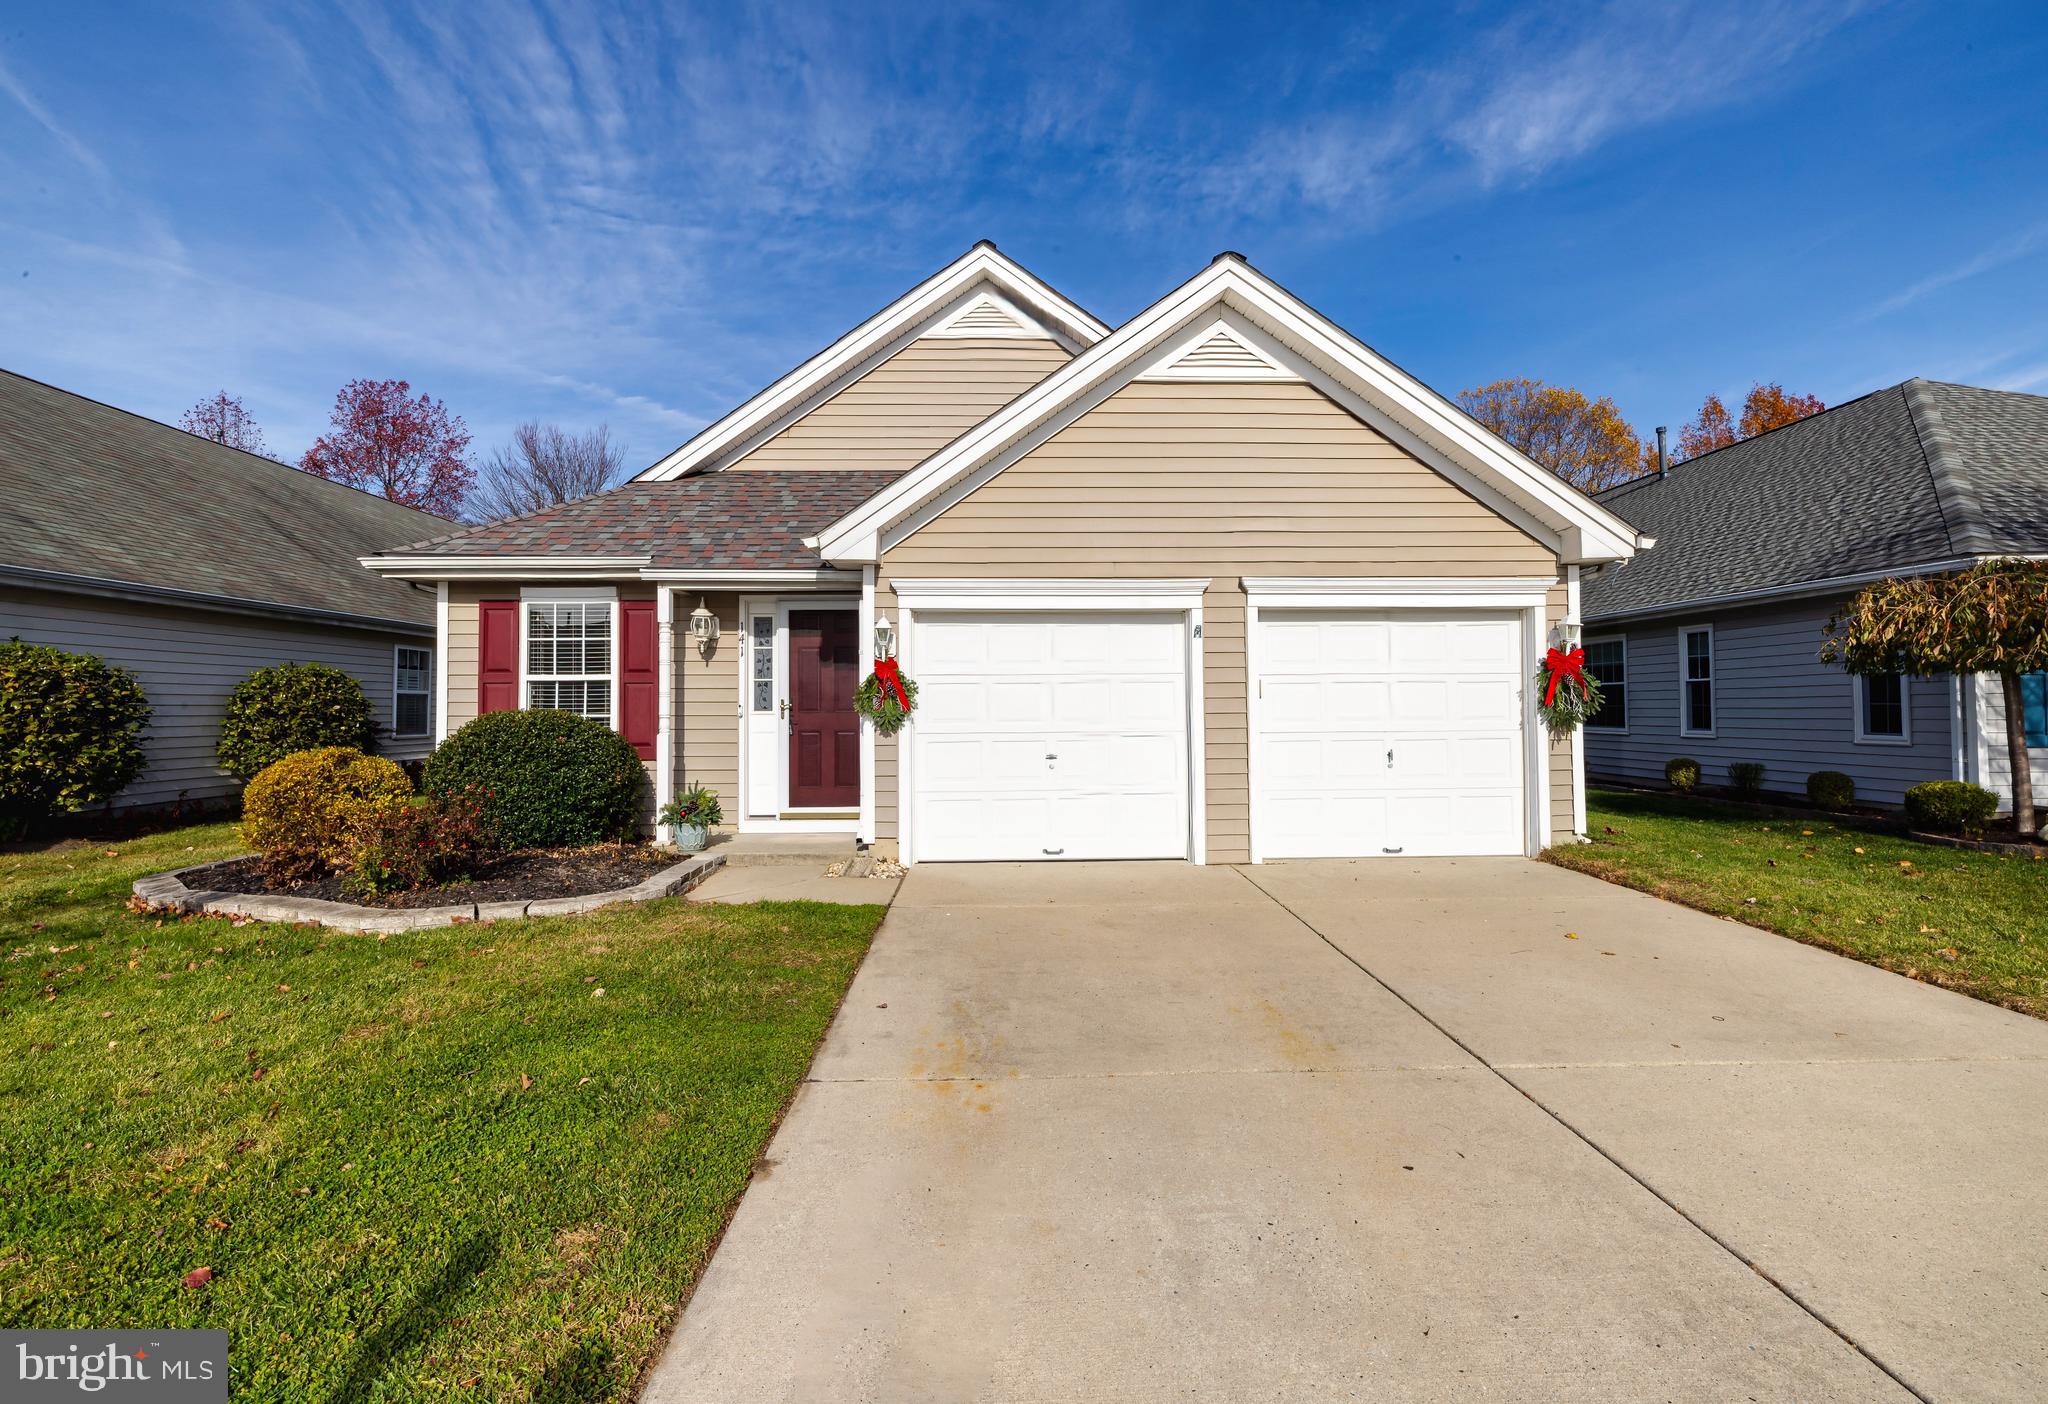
639	215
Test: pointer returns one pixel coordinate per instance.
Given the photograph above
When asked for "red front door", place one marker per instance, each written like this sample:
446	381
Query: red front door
824	730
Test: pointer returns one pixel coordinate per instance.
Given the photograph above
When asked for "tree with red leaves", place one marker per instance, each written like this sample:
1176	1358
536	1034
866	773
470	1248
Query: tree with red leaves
221	418
406	448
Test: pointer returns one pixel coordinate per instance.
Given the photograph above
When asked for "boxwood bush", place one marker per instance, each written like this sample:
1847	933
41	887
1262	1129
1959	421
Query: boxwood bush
70	733
1950	806
308	813
551	779
1683	773
1746	778
278	712
1831	789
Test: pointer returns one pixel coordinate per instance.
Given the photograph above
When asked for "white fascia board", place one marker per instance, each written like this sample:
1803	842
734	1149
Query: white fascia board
756	579
1228	282
930	302
1394	592
505	567
983	594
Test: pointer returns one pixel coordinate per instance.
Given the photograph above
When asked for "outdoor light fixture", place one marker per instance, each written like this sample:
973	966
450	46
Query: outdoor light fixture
703	626
885	638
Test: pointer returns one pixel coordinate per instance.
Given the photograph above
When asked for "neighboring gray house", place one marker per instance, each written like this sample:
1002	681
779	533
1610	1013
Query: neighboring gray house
1707	644
191	564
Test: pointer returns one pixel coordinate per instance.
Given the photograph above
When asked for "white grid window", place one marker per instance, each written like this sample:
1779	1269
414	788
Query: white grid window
412	691
569	656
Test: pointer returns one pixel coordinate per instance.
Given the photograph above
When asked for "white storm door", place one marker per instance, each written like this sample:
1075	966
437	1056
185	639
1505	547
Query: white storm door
1050	736
1389	733
761	697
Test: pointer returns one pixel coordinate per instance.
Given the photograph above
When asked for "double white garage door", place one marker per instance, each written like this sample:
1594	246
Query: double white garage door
1069	735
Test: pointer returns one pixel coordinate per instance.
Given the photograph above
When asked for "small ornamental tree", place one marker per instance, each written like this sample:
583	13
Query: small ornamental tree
1991	618
406	447
70	733
280	711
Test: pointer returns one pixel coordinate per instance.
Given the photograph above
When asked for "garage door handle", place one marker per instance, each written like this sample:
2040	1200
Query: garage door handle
1390	850
1052	852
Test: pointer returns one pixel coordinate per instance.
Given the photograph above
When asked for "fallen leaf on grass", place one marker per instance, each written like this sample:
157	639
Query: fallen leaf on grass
217	1225
1949	953
198	1277
1925	928
284	989
581	1080
221	1017
524	1082
1859	850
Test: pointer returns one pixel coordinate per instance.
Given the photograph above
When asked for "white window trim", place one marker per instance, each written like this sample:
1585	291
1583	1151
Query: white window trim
1621	639
1712	681
571	594
426	732
1859	699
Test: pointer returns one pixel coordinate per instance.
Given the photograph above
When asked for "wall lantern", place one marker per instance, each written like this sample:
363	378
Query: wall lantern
703	627
885	638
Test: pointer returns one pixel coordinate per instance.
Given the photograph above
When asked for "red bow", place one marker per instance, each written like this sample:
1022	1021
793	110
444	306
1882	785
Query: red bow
890	679
1562	665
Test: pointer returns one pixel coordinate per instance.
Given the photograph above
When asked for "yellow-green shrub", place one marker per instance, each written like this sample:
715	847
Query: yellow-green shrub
306	813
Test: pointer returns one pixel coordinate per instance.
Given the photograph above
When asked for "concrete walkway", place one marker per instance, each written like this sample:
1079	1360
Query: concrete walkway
1381	1131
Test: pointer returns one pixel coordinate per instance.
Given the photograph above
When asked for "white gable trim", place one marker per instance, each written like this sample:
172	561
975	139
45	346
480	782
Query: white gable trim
1396	404
952	290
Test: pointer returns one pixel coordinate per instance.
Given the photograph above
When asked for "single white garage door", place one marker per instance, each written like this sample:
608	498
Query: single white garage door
1050	736
1388	733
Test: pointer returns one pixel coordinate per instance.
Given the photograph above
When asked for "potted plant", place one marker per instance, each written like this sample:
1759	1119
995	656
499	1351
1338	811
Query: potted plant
690	817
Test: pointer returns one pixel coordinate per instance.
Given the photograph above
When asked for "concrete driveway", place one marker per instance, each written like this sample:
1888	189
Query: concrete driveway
1381	1131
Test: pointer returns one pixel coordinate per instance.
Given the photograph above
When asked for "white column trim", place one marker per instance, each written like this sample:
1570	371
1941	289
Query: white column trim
1572	621
441	660
1254	690
664	739
866	832
1198	742
1535	736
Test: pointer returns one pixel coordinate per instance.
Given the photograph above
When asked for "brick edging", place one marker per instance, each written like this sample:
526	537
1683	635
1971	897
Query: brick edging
168	891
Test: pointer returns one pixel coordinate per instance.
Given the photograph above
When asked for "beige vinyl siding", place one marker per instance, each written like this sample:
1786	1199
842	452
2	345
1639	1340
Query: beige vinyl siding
188	660
707	702
914	403
460	667
1556	606
1219	481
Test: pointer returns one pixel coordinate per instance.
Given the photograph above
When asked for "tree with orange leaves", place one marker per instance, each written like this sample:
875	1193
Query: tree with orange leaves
1766	407
1586	442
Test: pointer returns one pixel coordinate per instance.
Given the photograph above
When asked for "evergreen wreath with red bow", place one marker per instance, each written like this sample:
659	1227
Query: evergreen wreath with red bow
1568	696
887	698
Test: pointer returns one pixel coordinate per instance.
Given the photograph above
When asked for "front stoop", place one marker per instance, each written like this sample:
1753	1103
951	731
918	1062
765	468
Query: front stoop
760	850
168	891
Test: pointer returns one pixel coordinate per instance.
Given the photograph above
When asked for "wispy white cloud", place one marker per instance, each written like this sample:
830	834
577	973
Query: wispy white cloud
2010	249
77	150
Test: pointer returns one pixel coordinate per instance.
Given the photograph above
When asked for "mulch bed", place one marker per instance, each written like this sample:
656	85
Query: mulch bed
527	875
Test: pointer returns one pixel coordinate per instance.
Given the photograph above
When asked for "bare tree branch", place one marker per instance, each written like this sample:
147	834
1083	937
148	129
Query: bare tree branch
544	466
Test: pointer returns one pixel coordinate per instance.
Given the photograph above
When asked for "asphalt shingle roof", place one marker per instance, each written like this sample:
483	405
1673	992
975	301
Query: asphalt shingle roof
736	520
1916	474
90	490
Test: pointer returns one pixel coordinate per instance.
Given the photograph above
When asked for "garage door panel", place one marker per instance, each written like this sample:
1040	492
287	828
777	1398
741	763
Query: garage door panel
1339	693
1059	736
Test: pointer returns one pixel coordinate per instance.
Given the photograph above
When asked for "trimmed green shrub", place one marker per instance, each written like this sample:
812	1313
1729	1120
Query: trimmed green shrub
307	813
1683	774
278	712
1950	806
1746	778
1831	789
551	778
70	733
440	840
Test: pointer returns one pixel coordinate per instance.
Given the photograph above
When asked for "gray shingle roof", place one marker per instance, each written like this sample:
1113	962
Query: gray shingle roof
735	520
1920	473
90	490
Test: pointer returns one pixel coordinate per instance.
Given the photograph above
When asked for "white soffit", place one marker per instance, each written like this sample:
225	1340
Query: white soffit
958	288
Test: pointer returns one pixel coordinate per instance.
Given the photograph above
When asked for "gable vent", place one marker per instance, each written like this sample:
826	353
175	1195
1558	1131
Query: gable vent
987	316
1219	355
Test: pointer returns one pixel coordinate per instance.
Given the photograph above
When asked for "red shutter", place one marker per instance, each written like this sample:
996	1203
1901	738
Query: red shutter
497	671
639	675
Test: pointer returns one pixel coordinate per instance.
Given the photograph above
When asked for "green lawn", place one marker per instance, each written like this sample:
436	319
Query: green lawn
1974	922
479	1162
